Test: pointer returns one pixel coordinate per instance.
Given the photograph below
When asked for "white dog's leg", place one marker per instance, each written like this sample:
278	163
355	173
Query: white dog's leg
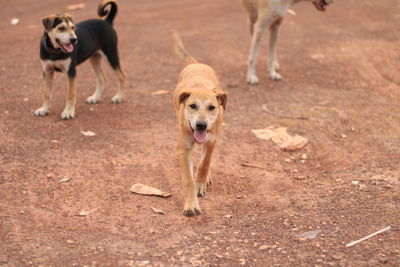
254	50
273	64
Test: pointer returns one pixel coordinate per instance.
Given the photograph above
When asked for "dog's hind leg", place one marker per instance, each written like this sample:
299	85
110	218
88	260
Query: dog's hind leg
112	57
258	31
203	171
95	61
47	90
273	64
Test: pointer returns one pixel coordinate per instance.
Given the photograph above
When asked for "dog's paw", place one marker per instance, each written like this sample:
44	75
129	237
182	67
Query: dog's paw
201	189
209	182
116	99
191	212
41	111
92	99
191	209
252	79
67	114
275	76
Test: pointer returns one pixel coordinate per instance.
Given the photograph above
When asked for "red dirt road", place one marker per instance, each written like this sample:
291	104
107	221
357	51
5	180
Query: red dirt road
341	71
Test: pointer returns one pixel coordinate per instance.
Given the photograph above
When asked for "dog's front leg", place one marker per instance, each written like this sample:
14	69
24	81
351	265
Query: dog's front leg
273	64
69	110
47	90
203	172
191	206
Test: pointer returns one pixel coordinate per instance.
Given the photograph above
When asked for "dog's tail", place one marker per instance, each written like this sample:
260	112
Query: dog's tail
102	11
180	49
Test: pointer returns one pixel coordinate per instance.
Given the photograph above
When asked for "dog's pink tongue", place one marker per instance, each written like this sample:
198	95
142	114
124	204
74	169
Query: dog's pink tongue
200	136
68	47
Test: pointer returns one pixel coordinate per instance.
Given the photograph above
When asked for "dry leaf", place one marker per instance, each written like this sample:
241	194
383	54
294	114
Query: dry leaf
142	189
264	134
88	133
317	56
160	92
75	7
85	213
64	180
280	137
158	211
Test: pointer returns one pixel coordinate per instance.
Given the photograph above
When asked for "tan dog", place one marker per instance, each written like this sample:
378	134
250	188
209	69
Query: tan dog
199	102
266	14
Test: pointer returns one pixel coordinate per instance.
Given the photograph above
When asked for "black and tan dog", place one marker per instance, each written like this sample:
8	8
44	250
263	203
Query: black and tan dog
200	102
65	45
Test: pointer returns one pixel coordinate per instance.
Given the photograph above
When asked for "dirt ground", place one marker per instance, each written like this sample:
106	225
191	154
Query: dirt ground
341	71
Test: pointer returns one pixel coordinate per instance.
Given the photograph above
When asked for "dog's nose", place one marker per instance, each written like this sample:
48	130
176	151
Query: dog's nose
201	126
73	40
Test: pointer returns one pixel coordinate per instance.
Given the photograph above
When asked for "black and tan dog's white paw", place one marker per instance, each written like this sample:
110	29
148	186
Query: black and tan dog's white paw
68	114
117	99
41	112
92	99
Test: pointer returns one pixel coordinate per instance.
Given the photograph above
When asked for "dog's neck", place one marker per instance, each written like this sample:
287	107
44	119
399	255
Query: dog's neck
48	46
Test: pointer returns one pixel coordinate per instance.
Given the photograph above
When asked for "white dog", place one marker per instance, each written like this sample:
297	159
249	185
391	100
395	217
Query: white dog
268	14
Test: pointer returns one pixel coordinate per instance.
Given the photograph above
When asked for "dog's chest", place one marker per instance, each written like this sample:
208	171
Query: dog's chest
61	65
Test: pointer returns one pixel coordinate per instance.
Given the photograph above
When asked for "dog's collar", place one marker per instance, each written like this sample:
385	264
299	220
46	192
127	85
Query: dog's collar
49	47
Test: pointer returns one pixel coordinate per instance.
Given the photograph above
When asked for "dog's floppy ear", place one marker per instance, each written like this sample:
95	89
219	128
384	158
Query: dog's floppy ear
183	96
69	17
48	22
222	98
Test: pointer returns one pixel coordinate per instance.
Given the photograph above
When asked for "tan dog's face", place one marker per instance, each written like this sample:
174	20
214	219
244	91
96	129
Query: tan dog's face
321	4
201	109
61	31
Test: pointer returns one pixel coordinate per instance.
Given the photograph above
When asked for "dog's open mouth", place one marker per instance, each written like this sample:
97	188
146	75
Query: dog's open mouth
199	136
67	48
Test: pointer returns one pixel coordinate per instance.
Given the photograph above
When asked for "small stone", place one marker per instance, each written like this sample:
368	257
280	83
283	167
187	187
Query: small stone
343	136
288	160
242	261
228	216
70	241
263	247
304	156
355	182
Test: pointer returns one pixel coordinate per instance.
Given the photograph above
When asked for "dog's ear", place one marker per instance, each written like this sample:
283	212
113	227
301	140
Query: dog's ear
183	96
222	98
69	17
48	22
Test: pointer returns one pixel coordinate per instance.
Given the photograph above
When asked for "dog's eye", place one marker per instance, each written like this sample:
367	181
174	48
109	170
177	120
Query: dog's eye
211	107
73	28
62	28
193	106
